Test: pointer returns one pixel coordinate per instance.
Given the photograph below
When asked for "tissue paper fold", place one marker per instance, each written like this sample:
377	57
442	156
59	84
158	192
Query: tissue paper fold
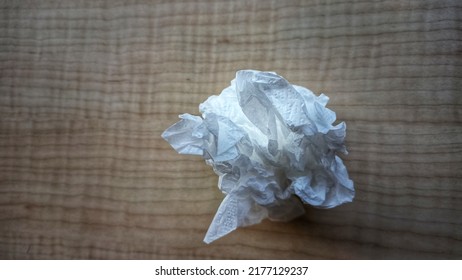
269	142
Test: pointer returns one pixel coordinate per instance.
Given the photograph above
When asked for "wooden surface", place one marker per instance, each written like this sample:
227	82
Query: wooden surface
87	87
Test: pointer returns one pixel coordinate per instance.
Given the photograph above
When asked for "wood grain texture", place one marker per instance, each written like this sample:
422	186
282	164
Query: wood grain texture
87	87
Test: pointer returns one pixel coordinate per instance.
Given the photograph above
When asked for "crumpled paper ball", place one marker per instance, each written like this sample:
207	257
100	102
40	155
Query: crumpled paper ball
273	146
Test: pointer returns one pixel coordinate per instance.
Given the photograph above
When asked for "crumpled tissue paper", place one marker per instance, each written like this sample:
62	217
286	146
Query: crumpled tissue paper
273	146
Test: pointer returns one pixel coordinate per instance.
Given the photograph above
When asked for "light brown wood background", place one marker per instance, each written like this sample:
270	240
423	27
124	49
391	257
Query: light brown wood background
87	87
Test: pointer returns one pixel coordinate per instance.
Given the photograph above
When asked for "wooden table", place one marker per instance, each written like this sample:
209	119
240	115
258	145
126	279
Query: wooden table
87	87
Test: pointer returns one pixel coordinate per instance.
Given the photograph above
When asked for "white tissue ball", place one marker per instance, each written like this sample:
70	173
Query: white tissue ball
268	141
